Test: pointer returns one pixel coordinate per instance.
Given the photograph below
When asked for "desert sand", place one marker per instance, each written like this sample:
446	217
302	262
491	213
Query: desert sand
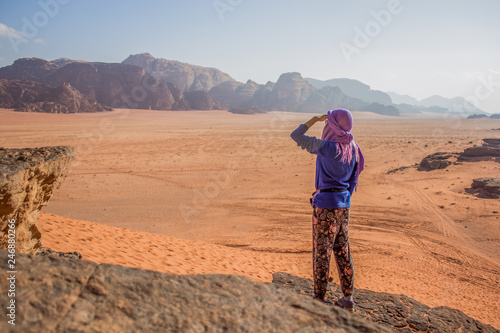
197	192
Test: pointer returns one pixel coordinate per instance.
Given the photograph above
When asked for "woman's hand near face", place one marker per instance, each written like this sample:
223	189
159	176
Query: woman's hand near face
315	119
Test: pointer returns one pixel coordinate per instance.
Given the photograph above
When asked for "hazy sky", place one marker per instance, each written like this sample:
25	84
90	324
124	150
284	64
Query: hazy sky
414	47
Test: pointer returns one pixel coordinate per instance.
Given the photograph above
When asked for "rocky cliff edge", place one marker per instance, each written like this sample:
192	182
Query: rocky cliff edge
28	177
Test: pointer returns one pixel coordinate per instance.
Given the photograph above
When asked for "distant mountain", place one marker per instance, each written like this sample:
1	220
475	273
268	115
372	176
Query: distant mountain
457	104
403	99
114	85
30	96
185	76
125	85
354	88
290	93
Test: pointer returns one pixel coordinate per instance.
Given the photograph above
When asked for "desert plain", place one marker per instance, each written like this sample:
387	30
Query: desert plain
210	192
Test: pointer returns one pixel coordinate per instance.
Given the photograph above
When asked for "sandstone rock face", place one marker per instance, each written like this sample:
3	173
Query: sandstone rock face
486	187
435	161
30	96
66	295
396	312
120	86
185	76
28	177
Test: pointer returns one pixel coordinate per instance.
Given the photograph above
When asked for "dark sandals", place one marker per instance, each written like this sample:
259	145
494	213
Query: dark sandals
348	305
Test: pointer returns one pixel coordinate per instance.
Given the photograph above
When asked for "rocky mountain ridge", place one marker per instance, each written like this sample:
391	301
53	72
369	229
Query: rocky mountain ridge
144	82
112	85
435	103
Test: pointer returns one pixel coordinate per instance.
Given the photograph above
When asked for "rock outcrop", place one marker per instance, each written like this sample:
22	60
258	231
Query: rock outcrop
43	251
477	116
396	312
490	150
67	295
435	161
485	188
28	177
247	110
185	76
30	96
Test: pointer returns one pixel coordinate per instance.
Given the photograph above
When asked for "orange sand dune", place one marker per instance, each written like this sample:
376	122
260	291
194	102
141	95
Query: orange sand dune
121	246
214	192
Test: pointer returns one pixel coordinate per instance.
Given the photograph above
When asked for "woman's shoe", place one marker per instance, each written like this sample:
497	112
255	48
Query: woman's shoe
319	299
348	305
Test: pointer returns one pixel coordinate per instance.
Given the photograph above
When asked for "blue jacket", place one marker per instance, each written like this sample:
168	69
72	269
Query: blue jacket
330	171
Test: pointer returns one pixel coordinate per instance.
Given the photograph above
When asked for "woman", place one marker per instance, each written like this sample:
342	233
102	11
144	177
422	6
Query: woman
338	165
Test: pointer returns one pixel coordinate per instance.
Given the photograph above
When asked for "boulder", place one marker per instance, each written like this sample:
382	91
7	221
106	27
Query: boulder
435	161
28	177
485	187
396	312
67	295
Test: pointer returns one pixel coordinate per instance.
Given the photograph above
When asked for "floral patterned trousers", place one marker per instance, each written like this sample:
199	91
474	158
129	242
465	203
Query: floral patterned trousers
331	233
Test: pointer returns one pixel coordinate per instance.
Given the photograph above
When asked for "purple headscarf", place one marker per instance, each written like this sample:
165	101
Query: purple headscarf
337	129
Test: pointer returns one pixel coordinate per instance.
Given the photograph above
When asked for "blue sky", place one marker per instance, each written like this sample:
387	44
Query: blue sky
420	48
